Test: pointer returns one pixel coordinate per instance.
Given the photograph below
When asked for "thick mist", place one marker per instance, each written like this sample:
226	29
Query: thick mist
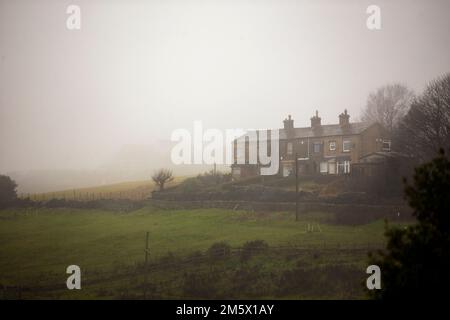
106	98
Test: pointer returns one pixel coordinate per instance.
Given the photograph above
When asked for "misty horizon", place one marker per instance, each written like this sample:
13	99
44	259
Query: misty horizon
136	72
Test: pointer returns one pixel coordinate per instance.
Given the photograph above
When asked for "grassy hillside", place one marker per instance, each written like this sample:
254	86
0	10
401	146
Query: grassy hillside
38	244
135	190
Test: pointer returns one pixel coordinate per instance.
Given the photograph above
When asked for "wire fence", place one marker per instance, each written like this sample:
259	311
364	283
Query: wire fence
165	276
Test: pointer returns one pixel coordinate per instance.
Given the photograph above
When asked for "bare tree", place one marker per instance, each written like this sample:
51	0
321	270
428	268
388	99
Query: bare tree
161	177
8	193
388	105
426	127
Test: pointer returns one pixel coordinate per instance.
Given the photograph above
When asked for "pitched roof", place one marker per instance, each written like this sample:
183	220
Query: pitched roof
323	131
327	130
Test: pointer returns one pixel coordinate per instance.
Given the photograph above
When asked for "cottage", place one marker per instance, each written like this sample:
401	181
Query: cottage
319	149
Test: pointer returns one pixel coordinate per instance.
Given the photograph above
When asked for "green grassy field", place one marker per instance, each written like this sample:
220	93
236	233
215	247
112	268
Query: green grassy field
38	244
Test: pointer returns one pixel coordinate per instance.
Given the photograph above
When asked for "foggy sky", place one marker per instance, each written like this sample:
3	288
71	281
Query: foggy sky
139	69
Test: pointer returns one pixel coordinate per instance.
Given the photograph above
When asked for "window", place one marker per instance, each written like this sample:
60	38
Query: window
343	167
289	148
240	152
346	145
316	147
386	145
324	167
332	145
347	166
340	167
332	167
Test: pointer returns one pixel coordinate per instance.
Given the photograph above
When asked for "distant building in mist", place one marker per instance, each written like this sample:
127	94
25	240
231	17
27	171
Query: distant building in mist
320	149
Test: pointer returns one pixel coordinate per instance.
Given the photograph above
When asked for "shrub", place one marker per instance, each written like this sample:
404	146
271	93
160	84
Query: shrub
251	248
219	251
415	263
8	193
200	286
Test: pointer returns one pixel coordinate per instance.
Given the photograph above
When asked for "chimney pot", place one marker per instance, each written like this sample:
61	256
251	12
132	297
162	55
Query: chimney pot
344	118
316	121
288	123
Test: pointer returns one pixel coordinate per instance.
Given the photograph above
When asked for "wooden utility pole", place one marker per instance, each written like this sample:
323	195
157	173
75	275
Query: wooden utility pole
145	266
296	187
146	249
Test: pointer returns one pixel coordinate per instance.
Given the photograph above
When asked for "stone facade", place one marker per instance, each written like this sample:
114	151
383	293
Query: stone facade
319	149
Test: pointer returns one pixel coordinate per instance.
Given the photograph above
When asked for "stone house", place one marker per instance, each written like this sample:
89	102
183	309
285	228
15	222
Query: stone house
320	149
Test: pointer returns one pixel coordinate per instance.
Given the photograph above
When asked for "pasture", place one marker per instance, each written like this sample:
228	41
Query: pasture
37	244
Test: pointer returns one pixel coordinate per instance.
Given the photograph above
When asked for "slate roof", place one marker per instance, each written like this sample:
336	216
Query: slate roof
326	130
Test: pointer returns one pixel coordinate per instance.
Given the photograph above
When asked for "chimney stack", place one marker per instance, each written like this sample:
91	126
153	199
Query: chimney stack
315	121
344	118
288	123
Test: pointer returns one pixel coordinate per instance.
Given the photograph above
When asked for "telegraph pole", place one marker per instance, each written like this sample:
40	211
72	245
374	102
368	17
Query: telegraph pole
145	267
296	187
146	249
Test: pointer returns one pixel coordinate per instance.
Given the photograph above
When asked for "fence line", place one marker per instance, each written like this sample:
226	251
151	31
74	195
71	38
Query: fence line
181	263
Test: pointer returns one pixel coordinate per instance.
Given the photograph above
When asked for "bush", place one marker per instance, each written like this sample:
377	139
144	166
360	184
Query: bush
8	193
415	263
249	282
219	251
200	286
203	182
195	257
328	280
251	248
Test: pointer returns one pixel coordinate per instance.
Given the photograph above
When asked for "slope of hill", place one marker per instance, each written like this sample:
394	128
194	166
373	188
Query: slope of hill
135	190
